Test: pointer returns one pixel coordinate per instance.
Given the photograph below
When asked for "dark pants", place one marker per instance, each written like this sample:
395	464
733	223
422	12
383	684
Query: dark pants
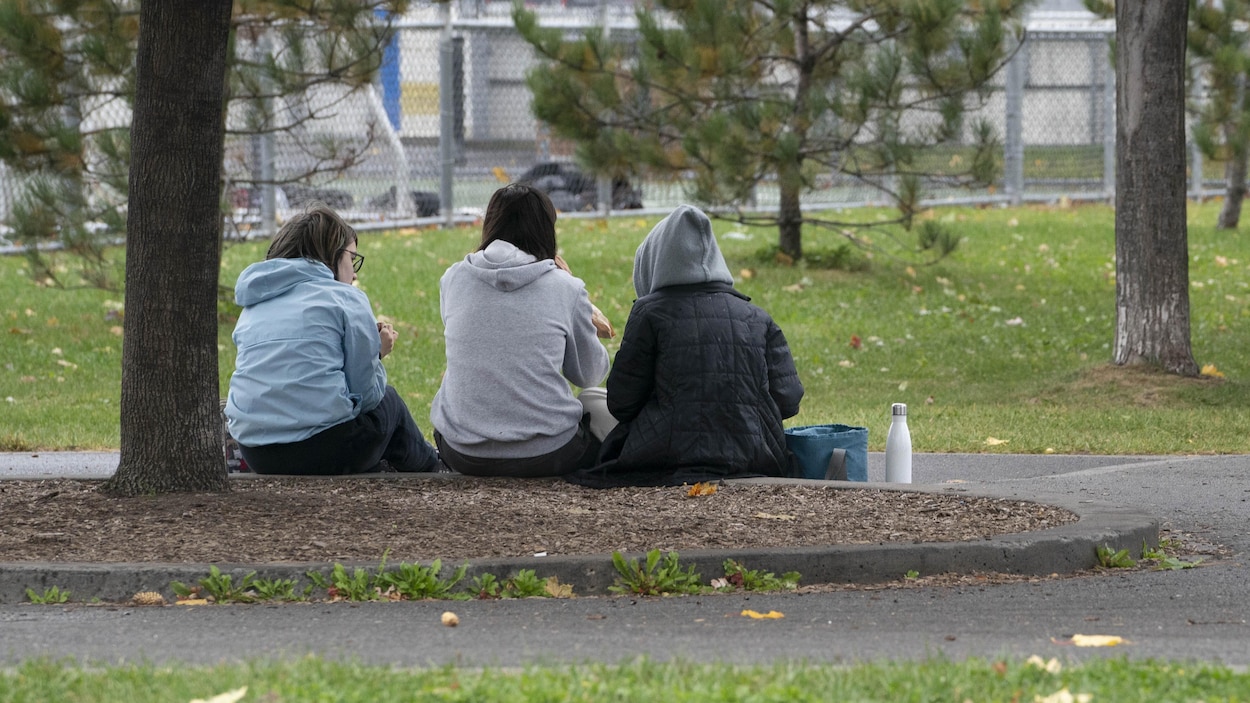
581	452
356	446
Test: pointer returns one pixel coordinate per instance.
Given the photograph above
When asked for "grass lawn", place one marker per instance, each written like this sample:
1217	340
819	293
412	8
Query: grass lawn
1002	347
314	680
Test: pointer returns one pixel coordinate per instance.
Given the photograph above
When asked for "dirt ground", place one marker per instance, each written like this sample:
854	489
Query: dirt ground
419	518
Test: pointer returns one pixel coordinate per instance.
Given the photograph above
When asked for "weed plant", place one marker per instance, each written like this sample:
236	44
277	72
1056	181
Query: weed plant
52	595
655	575
1004	346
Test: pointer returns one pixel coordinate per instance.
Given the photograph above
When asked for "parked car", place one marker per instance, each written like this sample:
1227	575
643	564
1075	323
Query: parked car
571	190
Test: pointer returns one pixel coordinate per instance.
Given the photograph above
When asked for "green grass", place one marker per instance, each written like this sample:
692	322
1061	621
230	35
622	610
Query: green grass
313	679
1009	338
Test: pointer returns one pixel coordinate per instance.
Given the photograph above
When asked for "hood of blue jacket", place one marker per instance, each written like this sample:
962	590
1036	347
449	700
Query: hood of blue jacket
273	277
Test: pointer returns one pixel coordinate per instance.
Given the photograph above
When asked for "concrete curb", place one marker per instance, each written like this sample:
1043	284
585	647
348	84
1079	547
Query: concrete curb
1063	549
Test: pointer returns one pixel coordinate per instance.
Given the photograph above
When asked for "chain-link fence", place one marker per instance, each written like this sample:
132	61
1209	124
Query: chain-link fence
449	121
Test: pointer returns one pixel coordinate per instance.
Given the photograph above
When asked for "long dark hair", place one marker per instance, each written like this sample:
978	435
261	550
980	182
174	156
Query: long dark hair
524	217
317	233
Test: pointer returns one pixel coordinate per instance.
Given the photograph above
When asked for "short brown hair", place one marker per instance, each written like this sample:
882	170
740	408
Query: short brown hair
523	216
317	234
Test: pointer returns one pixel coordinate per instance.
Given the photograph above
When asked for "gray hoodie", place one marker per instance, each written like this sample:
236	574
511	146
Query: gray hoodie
517	332
680	250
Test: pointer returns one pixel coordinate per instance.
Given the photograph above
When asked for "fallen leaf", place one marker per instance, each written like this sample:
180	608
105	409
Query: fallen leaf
1210	370
770	615
770	516
846	363
227	697
555	589
1096	640
855	342
450	619
1090	640
994	441
1014	322
1052	666
793	288
193	601
784	259
720	583
746	274
1221	261
701	489
1063	696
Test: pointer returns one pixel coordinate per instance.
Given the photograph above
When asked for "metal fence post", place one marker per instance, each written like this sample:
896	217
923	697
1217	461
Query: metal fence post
1013	146
604	183
265	156
1108	129
447	118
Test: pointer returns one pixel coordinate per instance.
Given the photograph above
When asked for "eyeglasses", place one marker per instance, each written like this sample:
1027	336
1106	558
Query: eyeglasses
358	260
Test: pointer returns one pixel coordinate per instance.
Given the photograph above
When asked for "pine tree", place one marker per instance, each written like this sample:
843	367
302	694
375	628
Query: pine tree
729	94
67	90
1219	61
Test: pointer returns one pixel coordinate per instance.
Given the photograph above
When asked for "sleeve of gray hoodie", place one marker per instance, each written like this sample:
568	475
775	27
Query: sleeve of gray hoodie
585	358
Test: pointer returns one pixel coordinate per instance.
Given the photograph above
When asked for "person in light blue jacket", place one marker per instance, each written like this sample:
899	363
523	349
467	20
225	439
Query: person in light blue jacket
309	393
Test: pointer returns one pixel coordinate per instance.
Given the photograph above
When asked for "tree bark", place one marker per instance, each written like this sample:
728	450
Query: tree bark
170	418
790	219
1235	174
1151	239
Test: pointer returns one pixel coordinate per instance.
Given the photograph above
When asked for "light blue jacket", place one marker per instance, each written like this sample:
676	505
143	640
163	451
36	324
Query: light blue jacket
307	353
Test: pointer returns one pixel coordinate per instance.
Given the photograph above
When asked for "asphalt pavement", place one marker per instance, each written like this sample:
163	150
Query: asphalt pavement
1198	613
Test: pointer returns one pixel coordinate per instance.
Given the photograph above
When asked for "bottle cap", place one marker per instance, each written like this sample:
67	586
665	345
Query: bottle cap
898	409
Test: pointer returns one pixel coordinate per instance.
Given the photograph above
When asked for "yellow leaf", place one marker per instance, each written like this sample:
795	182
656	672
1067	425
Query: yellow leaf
1210	370
770	615
994	441
746	274
500	174
1063	696
701	489
193	601
227	697
770	516
1096	640
555	589
1052	666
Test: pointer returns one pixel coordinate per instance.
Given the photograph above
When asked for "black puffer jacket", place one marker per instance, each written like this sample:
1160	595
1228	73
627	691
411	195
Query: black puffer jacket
701	383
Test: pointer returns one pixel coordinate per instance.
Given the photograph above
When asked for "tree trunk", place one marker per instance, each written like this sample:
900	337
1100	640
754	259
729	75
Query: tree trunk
1235	174
170	418
790	219
1151	240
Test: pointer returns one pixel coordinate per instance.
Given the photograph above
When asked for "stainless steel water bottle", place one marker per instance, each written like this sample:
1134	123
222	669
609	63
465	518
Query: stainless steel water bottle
898	447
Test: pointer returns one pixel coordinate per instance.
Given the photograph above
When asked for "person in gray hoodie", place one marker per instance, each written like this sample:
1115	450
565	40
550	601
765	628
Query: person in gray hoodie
308	394
519	328
703	378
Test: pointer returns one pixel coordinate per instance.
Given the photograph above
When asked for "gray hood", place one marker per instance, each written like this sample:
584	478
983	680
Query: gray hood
505	267
680	250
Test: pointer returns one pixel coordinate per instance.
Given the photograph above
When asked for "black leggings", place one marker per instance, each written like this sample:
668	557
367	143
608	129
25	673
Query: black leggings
579	453
356	446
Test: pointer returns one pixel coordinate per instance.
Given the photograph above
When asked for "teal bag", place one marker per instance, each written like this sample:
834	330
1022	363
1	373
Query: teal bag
830	452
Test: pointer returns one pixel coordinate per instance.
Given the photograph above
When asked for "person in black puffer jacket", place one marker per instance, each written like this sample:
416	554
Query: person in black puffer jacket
703	378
